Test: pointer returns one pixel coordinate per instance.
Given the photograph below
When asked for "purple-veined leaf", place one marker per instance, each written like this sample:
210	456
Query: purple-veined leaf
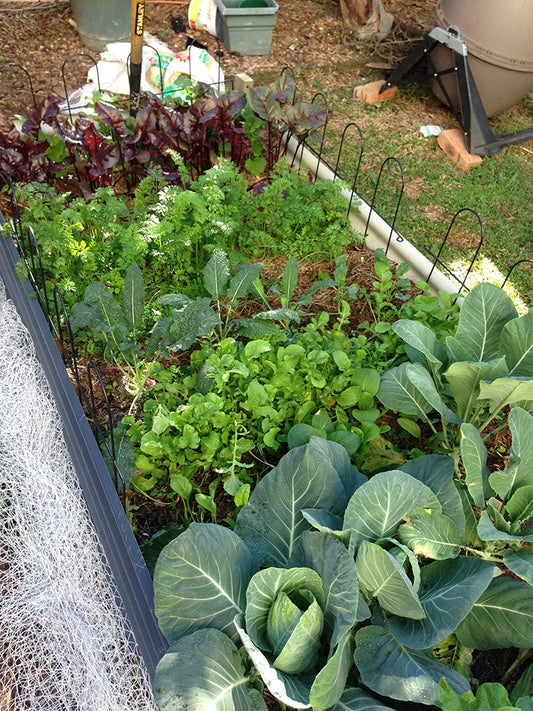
305	118
110	116
263	103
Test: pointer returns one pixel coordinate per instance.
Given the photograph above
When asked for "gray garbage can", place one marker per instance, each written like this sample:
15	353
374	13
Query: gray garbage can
102	21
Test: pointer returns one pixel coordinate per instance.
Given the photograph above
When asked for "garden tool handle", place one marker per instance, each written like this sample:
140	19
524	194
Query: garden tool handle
136	55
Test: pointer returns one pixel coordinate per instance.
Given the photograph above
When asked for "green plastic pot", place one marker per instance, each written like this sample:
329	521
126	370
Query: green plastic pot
246	26
102	21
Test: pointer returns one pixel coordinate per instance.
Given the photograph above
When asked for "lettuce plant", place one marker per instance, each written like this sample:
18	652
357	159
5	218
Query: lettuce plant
236	396
343	615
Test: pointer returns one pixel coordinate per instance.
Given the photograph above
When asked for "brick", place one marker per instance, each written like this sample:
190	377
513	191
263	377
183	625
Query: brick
370	92
452	141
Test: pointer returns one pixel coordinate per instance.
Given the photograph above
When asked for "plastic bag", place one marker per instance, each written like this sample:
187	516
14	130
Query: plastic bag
161	69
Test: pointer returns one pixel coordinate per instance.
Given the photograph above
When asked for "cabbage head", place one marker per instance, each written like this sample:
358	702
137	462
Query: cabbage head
284	617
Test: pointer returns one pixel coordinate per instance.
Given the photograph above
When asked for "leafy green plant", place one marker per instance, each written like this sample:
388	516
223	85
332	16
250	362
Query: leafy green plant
392	298
294	216
337	281
281	115
81	241
285	288
228	292
300	596
503	498
485	367
120	327
117	325
110	150
488	697
524	685
355	606
241	397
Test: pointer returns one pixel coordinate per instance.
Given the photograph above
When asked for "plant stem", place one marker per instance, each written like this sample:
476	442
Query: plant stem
489	419
430	424
445	433
495	430
482	554
522	655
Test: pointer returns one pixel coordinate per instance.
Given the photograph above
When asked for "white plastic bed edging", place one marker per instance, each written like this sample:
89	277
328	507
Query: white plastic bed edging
379	231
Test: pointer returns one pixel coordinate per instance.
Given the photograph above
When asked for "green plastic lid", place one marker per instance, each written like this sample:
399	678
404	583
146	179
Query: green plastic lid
253	3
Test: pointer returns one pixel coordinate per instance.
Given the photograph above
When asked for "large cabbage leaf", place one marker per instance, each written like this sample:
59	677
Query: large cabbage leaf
484	312
437	472
385	579
517	392
290	690
204	671
423	340
391	669
409	388
519	470
271	523
355	699
378	506
447	592
474	456
501	617
430	534
330	681
200	580
464	379
517	345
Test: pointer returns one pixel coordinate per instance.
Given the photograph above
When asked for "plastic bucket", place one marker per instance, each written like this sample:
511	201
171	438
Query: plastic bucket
102	21
247	30
203	16
500	51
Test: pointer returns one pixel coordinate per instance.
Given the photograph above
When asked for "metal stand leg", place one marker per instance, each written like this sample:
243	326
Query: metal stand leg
418	66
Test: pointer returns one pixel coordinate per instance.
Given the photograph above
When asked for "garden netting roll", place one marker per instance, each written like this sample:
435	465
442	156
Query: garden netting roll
65	642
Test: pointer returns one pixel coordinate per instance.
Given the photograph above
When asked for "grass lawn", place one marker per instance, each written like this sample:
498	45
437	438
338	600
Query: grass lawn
499	190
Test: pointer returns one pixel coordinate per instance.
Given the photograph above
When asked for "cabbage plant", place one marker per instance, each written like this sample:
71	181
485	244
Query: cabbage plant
336	592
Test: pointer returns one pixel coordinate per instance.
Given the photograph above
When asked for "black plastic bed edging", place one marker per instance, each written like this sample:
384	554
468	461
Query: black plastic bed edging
130	574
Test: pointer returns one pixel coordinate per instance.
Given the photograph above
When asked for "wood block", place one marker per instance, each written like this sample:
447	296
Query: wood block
242	82
370	92
452	141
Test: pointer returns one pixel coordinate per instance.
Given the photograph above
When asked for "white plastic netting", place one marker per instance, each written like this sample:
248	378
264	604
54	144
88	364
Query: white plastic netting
64	641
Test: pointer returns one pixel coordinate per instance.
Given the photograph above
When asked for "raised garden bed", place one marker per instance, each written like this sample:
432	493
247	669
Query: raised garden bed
254	417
